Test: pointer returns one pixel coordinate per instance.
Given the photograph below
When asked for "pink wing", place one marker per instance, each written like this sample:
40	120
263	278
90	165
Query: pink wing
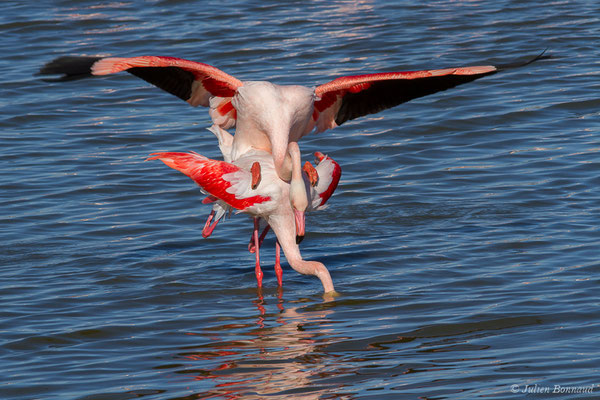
208	174
351	97
193	82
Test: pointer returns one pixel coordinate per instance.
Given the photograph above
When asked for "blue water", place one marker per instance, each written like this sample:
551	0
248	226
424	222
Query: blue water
463	237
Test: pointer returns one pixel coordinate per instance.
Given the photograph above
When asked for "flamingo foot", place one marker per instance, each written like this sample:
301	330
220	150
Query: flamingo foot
256	176
278	270
259	275
208	227
311	172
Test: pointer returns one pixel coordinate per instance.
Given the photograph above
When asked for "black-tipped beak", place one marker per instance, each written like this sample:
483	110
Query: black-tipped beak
299	218
299	239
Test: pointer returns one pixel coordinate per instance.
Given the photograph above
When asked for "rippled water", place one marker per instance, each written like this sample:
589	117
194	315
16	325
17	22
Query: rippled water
463	237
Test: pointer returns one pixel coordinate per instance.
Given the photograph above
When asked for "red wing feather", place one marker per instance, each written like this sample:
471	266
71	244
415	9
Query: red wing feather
208	174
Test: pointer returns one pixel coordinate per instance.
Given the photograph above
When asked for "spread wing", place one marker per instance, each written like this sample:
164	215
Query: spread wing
196	83
351	97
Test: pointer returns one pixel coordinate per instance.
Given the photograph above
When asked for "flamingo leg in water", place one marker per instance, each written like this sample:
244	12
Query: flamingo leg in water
259	273
278	270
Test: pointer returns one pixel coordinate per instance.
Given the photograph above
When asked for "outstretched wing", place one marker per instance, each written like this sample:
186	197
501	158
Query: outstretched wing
215	177
70	67
196	83
351	97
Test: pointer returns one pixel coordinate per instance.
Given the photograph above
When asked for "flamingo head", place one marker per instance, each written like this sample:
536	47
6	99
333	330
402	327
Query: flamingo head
298	194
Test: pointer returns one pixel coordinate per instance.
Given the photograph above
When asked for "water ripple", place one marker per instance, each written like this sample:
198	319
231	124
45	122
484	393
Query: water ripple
463	236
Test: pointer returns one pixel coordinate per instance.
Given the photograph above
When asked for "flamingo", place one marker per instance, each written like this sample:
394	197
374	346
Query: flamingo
329	173
273	199
267	116
320	189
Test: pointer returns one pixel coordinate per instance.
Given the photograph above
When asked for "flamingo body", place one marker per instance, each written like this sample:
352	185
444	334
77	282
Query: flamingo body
230	182
225	181
268	117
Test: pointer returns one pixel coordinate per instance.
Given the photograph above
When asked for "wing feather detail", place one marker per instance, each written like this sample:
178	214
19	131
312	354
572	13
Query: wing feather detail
210	175
191	81
351	97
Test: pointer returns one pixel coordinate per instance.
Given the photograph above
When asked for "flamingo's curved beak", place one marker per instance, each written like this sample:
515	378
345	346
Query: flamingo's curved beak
299	217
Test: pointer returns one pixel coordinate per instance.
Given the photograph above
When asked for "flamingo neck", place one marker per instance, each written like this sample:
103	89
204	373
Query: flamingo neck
282	225
281	156
314	268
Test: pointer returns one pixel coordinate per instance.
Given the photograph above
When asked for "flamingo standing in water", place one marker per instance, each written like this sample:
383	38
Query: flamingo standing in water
328	173
272	199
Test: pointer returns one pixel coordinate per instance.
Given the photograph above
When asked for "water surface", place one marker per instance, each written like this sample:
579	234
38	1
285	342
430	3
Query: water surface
463	237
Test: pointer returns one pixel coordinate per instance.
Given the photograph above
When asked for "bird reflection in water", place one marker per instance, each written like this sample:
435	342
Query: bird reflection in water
276	360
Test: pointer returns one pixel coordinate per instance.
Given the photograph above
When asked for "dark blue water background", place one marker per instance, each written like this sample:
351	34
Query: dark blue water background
463	237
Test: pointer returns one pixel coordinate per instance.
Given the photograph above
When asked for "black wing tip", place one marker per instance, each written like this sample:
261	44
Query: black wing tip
70	67
541	56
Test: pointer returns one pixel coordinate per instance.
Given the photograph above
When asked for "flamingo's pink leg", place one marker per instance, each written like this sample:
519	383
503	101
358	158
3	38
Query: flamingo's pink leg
251	247
259	273
278	270
208	227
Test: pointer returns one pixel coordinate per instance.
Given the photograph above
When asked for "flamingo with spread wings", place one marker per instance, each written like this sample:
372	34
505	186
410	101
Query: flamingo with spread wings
267	116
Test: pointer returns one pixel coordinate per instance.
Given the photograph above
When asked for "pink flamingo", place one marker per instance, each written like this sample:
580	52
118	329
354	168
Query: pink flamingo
329	173
319	191
268	116
273	199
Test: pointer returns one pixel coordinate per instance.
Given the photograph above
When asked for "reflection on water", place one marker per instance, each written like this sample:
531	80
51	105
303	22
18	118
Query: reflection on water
276	358
334	349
